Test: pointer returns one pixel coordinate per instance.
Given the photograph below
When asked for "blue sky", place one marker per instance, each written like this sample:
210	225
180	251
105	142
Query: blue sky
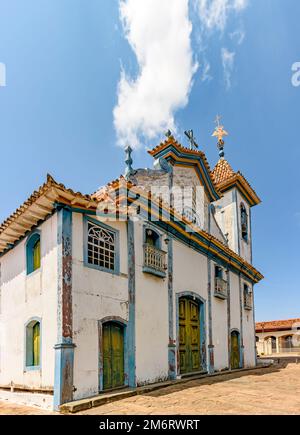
63	63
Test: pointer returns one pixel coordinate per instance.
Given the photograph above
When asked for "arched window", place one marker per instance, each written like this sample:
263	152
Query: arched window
33	253
244	223
33	343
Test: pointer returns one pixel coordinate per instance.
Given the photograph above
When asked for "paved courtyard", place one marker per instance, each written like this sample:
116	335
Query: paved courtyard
275	390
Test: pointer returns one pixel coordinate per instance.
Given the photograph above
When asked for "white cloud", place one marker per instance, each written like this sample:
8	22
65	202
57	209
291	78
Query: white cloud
205	72
159	33
238	36
227	62
214	13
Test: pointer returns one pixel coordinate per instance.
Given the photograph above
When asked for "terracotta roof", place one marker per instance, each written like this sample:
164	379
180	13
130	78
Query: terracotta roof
222	171
36	209
276	325
43	201
225	178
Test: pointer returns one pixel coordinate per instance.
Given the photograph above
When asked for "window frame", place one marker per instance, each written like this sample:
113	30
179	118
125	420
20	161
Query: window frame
86	221
28	347
31	241
154	230
242	210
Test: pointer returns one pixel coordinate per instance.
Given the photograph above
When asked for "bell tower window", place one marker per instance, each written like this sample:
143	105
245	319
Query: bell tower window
244	223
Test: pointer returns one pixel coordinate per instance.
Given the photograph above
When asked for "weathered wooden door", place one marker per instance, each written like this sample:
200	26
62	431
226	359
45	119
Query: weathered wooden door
189	336
113	355
36	344
235	350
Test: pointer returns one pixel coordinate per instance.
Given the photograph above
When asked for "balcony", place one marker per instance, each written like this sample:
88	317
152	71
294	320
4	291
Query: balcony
154	261
248	301
220	288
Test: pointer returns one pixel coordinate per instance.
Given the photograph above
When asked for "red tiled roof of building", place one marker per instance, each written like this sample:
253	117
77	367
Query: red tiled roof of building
225	178
222	171
276	325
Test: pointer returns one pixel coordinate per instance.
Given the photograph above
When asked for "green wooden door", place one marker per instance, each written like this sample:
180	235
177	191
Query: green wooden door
189	336
235	350
113	355
36	345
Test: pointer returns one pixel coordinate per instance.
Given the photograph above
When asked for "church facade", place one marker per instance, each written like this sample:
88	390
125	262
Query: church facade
150	278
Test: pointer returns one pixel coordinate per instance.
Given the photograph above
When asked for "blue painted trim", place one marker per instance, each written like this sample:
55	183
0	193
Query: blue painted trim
29	245
86	220
172	372
64	364
163	225
228	319
124	324
237	226
155	272
64	349
202	311
27	367
131	307
253	313
211	359
241	320
191	157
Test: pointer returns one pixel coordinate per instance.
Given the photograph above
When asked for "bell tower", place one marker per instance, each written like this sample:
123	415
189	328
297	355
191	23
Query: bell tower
233	210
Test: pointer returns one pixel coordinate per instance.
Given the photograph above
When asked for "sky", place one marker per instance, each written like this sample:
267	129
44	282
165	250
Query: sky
81	79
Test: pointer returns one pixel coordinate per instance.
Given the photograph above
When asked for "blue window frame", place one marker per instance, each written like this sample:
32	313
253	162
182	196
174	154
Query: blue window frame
101	246
33	344
244	223
33	252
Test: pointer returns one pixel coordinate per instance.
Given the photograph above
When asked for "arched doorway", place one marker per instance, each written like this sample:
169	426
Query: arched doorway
286	343
235	350
270	345
189	312
113	354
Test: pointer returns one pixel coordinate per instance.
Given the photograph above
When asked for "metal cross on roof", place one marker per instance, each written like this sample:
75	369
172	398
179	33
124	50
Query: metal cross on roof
190	135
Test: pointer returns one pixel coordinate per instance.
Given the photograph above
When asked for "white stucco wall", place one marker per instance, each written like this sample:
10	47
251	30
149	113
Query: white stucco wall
190	275
219	326
23	297
152	333
248	334
96	295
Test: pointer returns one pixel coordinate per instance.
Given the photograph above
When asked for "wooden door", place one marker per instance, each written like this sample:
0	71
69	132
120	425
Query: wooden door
189	336
235	350
113	355
36	344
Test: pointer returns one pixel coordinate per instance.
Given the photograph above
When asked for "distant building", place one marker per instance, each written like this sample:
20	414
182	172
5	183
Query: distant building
278	337
93	299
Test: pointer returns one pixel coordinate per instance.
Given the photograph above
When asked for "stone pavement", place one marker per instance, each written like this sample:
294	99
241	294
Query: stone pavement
275	390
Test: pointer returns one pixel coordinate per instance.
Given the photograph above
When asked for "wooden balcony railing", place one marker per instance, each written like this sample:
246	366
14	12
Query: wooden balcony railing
154	260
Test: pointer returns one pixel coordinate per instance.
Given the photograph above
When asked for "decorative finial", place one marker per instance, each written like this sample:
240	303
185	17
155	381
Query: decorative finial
128	160
190	135
220	133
